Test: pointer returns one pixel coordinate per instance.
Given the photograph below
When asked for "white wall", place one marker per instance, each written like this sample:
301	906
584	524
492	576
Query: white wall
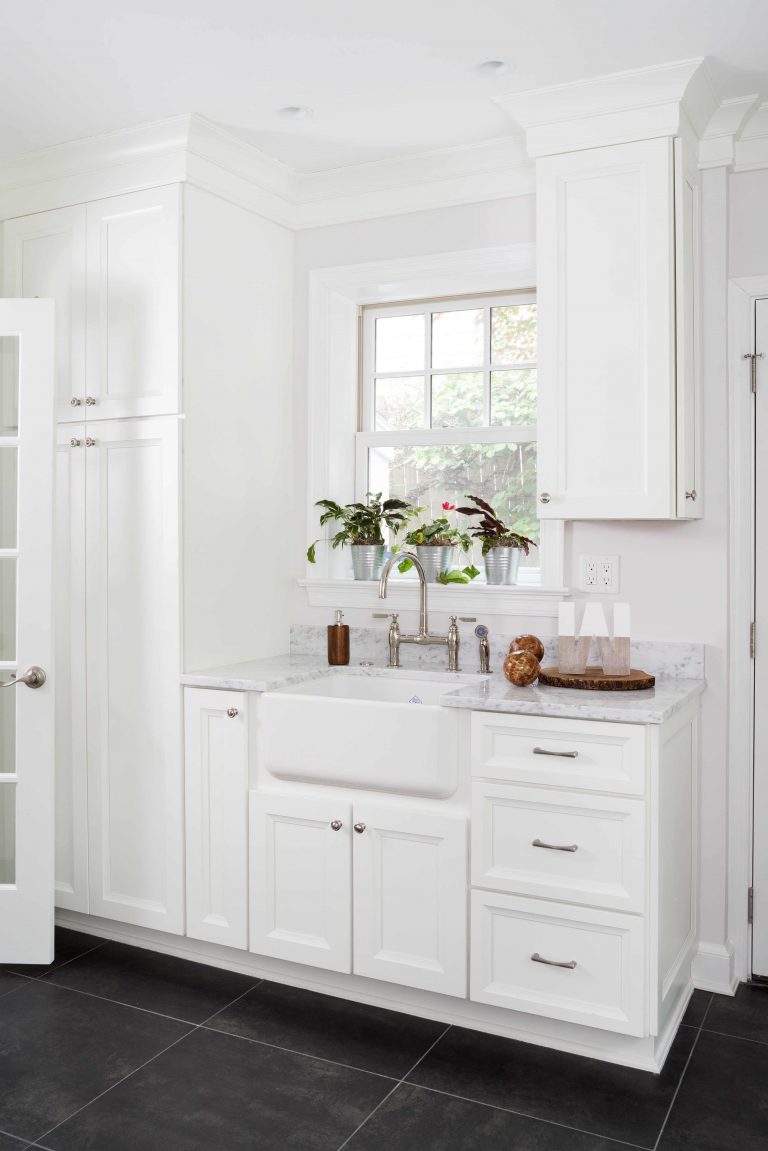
674	575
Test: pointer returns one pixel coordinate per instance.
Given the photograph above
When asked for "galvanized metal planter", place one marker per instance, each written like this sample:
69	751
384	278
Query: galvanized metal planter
435	559
367	560
502	565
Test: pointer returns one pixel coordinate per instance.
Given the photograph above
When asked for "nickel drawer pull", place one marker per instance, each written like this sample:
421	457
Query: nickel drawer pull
564	754
555	846
552	962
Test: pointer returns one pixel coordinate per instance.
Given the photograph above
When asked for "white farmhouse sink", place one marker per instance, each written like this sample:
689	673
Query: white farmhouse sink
382	733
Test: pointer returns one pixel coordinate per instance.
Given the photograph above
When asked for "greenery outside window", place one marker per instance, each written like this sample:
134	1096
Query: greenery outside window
447	406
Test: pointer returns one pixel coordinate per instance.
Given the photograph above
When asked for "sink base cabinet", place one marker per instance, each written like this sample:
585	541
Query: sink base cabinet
319	864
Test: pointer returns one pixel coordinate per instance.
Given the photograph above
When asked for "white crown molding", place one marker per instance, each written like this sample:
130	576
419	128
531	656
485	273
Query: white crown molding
717	147
634	105
751	149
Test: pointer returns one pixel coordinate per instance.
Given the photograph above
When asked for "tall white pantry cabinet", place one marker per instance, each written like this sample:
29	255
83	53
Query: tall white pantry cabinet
172	359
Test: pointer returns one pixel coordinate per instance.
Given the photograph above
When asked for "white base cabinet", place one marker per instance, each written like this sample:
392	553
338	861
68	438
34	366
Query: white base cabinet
317	864
216	786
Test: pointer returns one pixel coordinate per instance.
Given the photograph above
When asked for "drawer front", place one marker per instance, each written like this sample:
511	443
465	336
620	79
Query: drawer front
561	753
594	972
559	845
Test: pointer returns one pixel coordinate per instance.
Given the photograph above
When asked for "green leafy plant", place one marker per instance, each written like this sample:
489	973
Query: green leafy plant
363	523
492	531
440	532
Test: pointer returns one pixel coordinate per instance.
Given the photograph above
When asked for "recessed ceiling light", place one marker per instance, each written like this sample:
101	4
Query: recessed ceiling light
493	67
294	112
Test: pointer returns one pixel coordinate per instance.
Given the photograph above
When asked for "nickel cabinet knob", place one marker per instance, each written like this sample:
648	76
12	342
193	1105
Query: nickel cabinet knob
545	498
74	442
691	495
359	828
336	825
90	401
90	442
75	402
232	712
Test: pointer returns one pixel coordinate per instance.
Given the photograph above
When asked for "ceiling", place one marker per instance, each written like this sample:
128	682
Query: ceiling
382	80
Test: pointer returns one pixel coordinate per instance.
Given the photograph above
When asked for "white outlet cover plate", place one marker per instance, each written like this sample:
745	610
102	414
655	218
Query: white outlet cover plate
599	574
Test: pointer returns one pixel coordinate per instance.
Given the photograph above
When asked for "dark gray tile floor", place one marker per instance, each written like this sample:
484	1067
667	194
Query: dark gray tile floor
113	1047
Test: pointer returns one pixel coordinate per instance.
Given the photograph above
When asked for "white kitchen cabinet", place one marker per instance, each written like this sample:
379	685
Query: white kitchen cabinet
113	269
401	874
409	882
216	815
300	879
618	333
583	864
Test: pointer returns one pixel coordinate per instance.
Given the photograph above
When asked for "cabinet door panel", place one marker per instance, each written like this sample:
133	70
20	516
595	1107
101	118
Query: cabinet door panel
606	314
410	898
45	256
133	303
216	782
70	671
135	777
690	504
300	880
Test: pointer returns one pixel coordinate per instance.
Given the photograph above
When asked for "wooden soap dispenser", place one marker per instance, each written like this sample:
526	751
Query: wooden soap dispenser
338	642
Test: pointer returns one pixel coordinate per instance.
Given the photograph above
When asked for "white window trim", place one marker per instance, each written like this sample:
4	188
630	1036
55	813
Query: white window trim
335	297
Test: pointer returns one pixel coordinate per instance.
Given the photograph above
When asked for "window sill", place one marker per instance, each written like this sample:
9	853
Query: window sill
525	600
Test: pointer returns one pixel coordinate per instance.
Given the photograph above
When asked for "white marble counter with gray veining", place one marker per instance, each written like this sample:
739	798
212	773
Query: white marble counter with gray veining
467	690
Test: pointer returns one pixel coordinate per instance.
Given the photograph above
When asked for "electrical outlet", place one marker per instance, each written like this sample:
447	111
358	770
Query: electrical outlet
599	573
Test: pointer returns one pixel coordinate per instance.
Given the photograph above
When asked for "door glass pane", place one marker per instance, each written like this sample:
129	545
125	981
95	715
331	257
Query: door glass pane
9	385
9	462
399	403
400	344
7	609
428	475
513	334
458	338
7	727
7	832
513	397
457	400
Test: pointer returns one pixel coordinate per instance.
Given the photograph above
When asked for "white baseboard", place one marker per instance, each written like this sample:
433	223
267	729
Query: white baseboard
713	968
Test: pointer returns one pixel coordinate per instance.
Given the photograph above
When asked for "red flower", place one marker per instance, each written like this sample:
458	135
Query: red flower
448	507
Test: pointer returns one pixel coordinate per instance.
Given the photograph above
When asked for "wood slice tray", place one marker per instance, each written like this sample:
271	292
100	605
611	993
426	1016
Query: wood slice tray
593	679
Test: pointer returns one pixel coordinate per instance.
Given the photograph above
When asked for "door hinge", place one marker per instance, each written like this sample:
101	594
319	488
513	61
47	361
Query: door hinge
750	904
753	357
752	640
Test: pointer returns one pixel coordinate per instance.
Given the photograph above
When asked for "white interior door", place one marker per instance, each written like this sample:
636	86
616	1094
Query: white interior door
760	865
26	716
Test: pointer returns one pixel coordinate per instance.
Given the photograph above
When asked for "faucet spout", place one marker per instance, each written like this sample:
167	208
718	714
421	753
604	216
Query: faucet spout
423	618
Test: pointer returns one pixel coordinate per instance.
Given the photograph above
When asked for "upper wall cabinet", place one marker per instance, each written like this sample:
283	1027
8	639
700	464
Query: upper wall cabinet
617	241
113	268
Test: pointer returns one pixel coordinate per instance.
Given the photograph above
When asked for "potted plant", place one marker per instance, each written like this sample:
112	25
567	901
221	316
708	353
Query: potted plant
502	545
436	544
362	528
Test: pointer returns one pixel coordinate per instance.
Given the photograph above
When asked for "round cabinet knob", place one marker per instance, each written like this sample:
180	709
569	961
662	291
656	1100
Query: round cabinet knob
232	712
90	401
90	442
359	828
74	443
691	495
75	402
336	824
544	498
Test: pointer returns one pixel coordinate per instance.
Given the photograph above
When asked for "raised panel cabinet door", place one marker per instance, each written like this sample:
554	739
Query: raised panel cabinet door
690	502
71	889
216	784
44	256
134	277
606	316
410	897
135	769
300	879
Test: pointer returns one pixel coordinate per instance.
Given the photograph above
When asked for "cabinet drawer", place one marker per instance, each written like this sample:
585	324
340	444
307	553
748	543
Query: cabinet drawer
595	974
560	752
560	845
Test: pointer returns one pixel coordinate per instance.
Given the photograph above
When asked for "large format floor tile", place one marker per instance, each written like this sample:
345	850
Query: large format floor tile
213	1092
596	1097
67	946
745	1014
10	982
722	1104
697	1008
59	1049
357	1034
155	982
8	1143
414	1119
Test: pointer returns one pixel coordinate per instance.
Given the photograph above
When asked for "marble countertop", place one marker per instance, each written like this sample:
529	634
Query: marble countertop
468	690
